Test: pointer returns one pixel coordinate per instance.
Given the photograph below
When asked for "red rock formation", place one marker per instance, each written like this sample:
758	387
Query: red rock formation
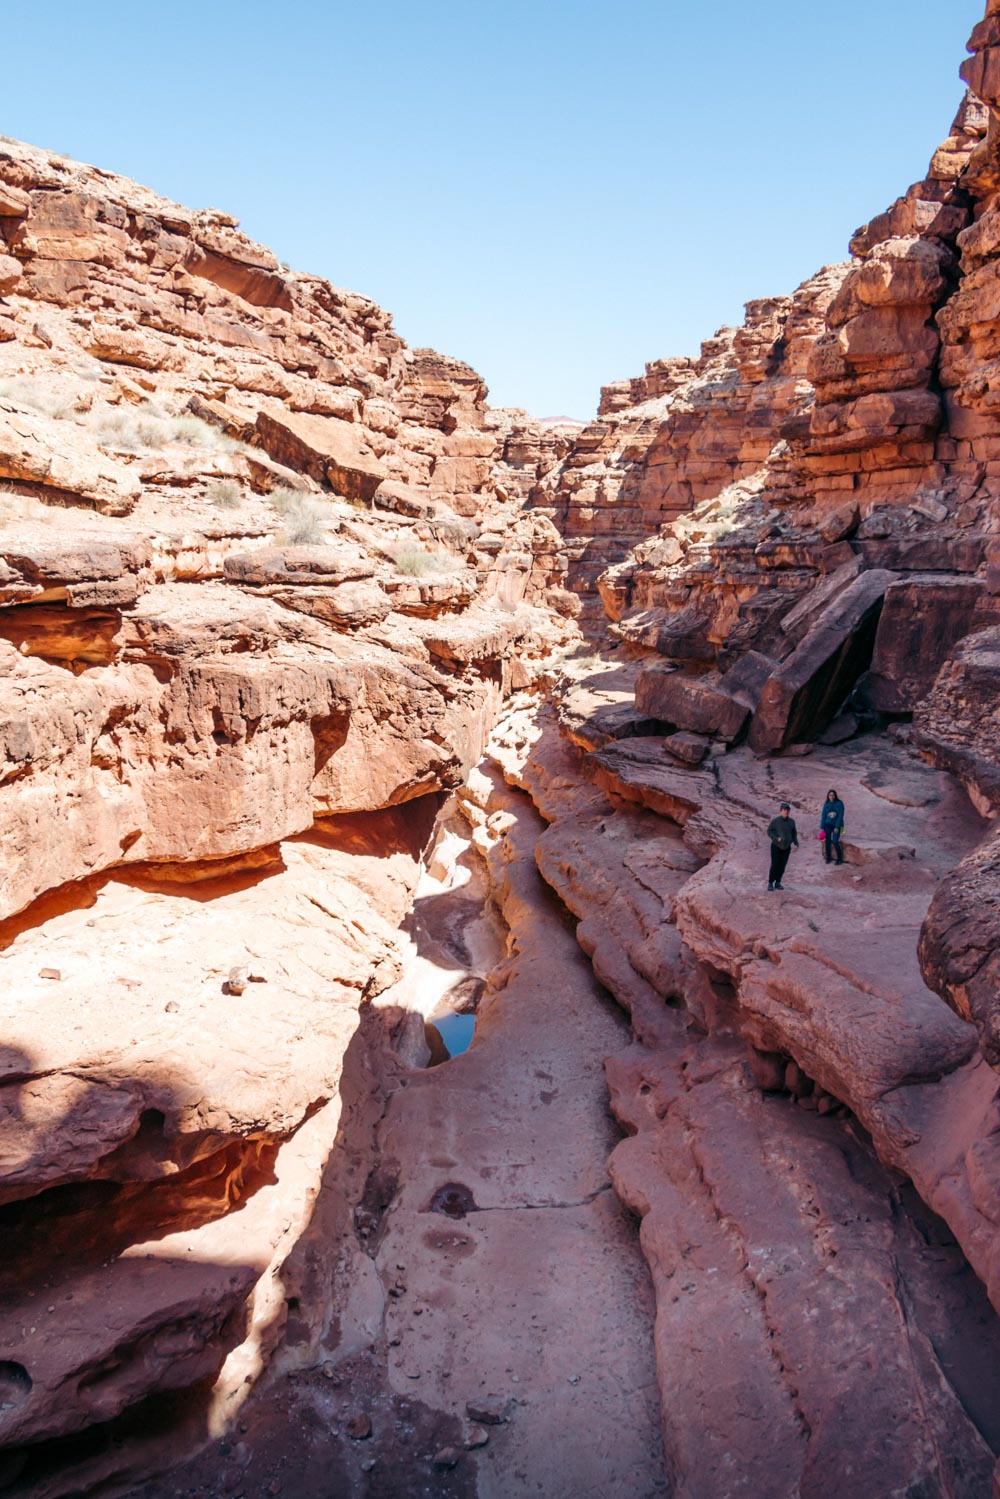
816	998
268	580
266	576
807	470
689	429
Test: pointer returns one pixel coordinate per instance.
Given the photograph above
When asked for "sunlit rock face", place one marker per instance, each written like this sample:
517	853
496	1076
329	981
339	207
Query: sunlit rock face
334	702
266	578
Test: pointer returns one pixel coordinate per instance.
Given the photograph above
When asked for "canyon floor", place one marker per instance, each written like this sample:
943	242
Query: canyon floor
589	1255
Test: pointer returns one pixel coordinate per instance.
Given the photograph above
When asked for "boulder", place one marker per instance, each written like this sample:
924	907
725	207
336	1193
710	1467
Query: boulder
298	566
960	944
404	500
694	704
958	723
807	689
840	523
329	450
10	274
690	749
922	620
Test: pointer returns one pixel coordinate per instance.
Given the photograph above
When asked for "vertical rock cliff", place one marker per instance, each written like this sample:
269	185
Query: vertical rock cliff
331	696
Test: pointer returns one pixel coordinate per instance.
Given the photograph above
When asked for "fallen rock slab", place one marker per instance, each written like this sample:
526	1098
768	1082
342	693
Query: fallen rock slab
807	689
690	703
328	449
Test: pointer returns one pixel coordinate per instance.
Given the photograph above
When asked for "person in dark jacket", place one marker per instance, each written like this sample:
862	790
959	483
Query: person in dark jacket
831	821
784	837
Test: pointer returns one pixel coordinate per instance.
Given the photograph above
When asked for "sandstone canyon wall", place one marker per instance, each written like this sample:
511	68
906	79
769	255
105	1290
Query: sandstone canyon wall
273	586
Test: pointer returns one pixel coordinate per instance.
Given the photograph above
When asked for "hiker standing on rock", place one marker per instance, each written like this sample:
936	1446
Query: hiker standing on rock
784	837
831	821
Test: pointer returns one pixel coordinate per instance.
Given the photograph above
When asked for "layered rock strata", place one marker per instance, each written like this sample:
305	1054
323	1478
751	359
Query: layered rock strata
268	581
266	577
847	425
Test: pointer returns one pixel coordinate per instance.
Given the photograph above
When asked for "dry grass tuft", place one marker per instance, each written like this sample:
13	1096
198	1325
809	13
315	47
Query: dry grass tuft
226	494
416	563
305	520
140	428
26	392
15	505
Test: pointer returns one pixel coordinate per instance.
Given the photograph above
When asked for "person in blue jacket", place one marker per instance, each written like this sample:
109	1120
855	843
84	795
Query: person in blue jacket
831	823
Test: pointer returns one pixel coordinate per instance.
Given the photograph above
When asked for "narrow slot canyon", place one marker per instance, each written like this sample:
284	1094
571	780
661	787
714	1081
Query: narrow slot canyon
415	1080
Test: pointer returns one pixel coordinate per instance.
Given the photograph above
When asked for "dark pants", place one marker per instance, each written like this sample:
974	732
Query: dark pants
779	861
831	845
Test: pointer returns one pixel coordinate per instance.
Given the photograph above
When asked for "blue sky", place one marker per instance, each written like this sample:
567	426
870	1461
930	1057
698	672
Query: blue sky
555	192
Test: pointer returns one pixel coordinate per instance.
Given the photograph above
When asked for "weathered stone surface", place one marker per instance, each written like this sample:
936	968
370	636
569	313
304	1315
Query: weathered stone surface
343	606
10	274
806	691
324	447
299	566
921	622
61	456
690	703
853	1014
960	944
958	723
640	771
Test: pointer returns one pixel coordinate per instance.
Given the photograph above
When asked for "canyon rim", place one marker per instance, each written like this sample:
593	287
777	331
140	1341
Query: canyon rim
340	713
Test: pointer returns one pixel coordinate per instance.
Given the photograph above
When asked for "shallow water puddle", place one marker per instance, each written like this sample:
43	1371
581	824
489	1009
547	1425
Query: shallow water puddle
455	1031
454	938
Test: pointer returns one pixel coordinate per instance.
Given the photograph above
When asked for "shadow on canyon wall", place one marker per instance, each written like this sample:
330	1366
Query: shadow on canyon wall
147	1396
110	1342
111	1332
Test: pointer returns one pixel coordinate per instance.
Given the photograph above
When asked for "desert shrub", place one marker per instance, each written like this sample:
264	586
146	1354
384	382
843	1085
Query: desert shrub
130	430
27	392
284	500
417	563
198	434
305	520
303	528
133	429
226	494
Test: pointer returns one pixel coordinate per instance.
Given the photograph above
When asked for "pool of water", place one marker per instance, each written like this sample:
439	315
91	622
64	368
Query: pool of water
455	1031
454	938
